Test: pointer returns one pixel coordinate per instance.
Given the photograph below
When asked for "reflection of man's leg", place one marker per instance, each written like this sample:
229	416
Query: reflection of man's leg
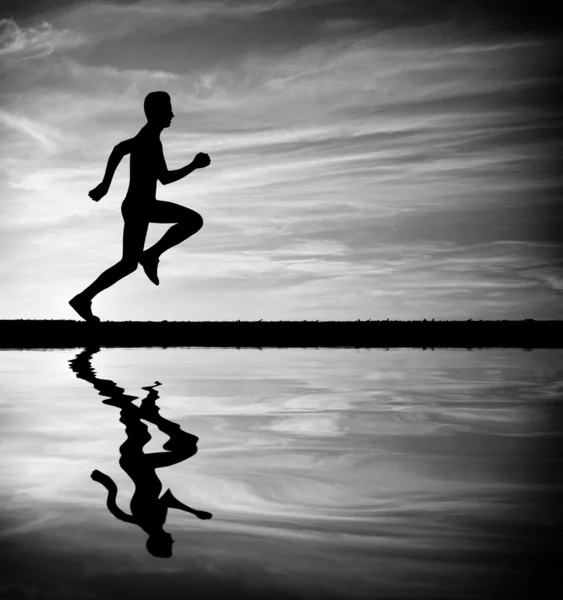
178	451
137	434
181	445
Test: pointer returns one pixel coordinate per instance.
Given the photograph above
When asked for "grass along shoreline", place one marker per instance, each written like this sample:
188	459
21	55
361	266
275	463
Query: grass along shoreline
43	334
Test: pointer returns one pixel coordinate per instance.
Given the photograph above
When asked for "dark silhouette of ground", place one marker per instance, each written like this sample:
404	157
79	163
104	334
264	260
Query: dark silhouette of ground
284	334
148	508
140	207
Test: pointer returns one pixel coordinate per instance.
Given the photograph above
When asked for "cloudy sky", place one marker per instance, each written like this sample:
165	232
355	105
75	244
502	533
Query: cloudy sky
378	159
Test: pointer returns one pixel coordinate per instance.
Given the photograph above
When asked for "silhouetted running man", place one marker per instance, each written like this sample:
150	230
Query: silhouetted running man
140	207
148	509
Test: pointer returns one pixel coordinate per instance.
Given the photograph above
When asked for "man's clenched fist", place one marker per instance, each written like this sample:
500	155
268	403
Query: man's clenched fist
201	160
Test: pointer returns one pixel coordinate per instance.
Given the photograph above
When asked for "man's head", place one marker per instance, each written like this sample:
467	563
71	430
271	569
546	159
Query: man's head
158	109
159	544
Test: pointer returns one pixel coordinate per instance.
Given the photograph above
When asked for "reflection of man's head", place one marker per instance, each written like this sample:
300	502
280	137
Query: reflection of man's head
160	544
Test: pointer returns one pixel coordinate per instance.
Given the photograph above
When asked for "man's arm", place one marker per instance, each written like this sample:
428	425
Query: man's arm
110	486
172	502
165	176
115	157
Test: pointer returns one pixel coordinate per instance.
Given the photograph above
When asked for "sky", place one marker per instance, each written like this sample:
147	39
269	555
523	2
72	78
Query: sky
370	159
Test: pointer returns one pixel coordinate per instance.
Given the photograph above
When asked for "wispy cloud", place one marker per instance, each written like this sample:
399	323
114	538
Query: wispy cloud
101	21
34	42
45	135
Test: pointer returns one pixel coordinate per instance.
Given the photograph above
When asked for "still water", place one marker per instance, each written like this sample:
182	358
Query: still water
330	473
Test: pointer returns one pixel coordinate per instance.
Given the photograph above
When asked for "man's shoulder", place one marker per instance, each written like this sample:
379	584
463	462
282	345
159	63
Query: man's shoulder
141	140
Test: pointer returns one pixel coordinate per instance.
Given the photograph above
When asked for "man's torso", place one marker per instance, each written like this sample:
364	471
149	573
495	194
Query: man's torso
146	162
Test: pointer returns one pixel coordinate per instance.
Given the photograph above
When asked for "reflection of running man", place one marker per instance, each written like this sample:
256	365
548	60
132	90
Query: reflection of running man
148	508
140	207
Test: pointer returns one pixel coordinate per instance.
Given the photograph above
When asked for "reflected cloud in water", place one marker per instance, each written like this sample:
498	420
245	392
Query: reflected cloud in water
148	508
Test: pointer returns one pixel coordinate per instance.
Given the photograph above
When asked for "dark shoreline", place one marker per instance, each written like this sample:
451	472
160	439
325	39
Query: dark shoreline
527	334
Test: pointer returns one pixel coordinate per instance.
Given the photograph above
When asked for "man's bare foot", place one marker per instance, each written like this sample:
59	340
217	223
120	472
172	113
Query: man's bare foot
84	308
151	387
182	440
150	265
121	401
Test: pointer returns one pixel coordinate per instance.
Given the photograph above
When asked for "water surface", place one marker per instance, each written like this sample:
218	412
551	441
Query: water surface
332	473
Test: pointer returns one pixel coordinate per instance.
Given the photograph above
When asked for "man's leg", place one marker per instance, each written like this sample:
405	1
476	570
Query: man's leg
187	221
134	235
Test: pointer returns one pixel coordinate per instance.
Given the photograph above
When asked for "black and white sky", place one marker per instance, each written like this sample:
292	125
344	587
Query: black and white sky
370	159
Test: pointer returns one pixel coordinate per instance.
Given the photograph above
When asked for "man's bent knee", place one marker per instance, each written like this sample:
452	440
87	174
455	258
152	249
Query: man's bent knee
196	222
129	264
